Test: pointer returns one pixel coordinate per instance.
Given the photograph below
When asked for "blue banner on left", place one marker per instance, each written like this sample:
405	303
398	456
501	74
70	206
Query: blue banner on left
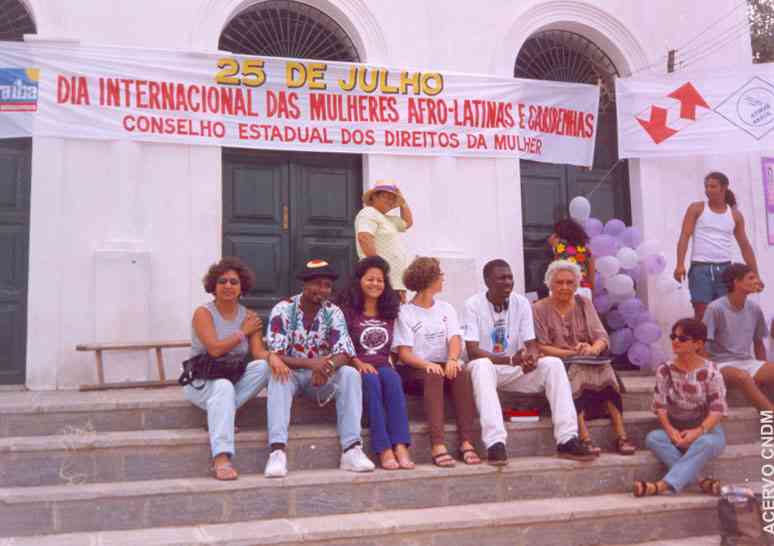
19	89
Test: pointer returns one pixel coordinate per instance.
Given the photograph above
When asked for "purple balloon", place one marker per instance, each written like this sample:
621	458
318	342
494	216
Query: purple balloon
614	227
657	357
621	340
639	354
592	227
604	245
630	309
654	264
615	319
631	237
635	273
599	286
602	303
639	319
647	332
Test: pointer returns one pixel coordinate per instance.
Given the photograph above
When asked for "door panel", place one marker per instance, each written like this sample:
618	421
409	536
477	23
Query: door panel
255	192
15	161
282	209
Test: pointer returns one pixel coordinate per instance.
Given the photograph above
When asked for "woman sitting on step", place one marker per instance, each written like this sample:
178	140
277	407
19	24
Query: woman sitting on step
567	326
690	401
428	338
222	327
371	306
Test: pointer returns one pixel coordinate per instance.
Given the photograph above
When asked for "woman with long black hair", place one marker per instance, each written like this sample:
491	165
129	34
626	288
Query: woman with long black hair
371	306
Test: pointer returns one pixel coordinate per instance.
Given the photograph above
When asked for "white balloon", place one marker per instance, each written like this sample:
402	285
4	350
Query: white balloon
666	285
608	266
628	257
580	208
619	285
647	248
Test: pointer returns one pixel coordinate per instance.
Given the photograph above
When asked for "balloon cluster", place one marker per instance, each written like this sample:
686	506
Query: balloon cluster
622	260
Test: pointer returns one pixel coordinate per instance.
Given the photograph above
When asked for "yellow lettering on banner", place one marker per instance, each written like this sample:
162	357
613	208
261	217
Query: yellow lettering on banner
349	85
295	74
229	68
409	79
252	73
316	74
432	83
384	85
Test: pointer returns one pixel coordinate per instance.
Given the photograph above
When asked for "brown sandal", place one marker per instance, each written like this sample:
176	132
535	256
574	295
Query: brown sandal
709	486
624	446
470	456
645	489
444	460
389	464
594	450
224	472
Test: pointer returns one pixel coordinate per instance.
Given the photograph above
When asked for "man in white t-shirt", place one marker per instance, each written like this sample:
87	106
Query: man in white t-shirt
500	340
379	234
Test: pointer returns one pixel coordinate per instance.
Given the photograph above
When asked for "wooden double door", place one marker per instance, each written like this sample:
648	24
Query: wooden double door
15	169
281	209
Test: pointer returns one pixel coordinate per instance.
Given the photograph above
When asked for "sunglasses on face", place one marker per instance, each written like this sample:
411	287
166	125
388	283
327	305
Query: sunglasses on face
681	339
232	282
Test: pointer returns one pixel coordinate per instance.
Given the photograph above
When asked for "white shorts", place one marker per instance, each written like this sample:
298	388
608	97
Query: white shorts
749	366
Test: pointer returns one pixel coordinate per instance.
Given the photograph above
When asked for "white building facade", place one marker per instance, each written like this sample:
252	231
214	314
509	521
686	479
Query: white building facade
121	233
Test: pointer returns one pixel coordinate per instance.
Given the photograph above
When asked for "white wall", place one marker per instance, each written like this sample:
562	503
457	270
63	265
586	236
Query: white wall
122	233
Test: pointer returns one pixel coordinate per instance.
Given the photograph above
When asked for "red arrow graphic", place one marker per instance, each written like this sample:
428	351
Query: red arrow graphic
689	99
656	126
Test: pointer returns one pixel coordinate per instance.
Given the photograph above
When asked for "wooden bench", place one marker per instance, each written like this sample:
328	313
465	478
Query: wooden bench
99	348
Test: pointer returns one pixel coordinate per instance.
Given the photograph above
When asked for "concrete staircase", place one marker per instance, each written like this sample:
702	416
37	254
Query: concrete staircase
130	468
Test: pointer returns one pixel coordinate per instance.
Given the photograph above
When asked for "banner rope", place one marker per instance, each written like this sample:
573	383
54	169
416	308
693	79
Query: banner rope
610	170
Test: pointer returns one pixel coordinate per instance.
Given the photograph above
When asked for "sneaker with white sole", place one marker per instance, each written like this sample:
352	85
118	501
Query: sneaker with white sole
277	465
355	460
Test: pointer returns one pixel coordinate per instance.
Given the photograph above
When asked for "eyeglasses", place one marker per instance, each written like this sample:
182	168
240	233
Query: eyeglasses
681	339
231	281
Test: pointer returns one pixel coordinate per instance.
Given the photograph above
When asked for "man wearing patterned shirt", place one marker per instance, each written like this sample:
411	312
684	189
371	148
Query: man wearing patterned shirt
310	335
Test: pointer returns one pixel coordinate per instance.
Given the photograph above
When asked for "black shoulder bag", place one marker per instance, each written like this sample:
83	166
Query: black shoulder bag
204	367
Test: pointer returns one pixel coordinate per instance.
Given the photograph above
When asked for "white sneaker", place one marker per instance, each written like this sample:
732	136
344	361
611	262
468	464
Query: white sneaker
277	465
355	460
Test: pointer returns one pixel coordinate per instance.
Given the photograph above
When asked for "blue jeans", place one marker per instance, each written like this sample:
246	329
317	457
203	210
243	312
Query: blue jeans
386	407
684	467
705	281
220	398
344	386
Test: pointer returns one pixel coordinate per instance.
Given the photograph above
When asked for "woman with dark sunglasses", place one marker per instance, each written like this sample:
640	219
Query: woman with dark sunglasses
226	327
690	402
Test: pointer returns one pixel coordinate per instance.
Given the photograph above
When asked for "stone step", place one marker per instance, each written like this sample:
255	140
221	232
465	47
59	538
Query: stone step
706	540
160	454
577	521
58	412
175	502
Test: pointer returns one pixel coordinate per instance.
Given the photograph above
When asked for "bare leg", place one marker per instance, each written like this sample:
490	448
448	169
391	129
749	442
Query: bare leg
617	420
749	386
583	430
698	310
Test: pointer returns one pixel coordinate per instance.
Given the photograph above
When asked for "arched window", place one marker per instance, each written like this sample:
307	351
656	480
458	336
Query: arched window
560	55
15	21
281	209
283	28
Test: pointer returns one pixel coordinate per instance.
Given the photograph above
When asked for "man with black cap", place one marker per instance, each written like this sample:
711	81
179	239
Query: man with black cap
309	333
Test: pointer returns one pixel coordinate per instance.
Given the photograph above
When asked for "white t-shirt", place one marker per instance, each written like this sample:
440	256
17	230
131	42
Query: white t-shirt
501	333
427	331
386	230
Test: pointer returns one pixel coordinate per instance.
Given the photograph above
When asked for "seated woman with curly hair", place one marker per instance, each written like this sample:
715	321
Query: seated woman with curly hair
371	306
429	342
221	327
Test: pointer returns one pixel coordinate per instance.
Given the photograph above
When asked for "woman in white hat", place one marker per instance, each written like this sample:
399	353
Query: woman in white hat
379	234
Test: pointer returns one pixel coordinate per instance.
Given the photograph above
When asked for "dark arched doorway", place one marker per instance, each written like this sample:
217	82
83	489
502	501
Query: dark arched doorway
282	208
547	189
15	169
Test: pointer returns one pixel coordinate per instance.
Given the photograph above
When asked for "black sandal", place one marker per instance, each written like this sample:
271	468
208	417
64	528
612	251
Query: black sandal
467	456
709	486
594	450
444	460
645	489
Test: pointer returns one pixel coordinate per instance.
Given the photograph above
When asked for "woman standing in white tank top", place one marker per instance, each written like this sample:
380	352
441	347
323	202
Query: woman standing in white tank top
713	225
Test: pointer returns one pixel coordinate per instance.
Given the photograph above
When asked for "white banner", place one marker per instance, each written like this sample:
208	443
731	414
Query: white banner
75	91
696	113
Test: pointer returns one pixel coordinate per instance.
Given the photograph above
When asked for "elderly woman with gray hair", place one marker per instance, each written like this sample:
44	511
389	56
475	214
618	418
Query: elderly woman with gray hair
567	326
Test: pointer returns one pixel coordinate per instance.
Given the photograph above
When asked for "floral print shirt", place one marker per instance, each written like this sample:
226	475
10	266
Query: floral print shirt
689	396
326	336
577	254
